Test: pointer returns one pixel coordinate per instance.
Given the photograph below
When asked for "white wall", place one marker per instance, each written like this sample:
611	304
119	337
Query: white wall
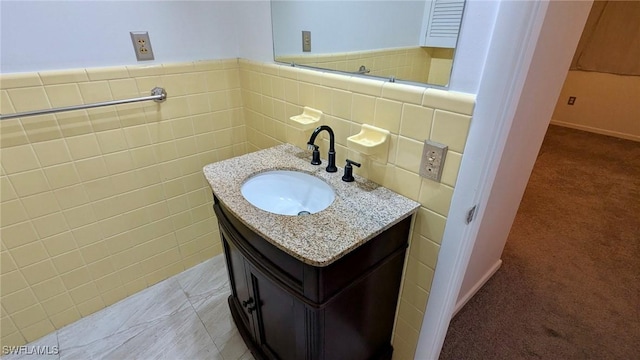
473	45
75	34
605	104
47	35
340	26
254	30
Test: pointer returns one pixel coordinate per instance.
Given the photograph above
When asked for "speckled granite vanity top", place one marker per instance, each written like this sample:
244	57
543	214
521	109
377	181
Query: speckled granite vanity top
361	210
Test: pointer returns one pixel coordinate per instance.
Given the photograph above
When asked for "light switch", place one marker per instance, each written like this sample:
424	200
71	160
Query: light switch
306	41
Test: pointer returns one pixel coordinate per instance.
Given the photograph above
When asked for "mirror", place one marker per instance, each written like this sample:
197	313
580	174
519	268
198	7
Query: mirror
399	40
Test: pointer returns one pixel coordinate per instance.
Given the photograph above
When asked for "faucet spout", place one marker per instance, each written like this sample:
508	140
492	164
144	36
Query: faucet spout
331	167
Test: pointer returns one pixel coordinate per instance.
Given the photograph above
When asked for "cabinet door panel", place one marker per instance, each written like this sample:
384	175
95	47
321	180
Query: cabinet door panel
275	318
363	314
238	277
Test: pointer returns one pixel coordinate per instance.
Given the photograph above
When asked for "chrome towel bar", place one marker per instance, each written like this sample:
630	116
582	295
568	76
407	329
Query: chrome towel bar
157	94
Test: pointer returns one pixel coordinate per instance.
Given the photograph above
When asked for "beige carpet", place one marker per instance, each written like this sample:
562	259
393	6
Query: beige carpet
569	286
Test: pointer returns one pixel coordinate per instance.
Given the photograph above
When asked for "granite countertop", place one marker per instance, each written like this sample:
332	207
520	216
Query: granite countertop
361	210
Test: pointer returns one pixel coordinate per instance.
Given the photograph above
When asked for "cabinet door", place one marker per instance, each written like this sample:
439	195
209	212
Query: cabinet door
238	279
279	319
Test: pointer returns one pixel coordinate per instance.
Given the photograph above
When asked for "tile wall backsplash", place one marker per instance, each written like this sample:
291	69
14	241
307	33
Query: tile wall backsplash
420	64
272	93
99	204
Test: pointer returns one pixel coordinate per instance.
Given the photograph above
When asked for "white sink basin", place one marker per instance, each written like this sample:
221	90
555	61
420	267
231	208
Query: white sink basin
288	192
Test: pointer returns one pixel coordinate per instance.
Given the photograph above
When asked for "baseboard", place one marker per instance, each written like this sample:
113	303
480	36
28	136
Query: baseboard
474	289
597	130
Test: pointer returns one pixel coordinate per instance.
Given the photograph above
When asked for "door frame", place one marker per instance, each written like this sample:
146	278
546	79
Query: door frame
530	51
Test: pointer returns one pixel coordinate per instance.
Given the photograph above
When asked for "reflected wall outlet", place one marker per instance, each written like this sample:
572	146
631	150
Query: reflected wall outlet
142	45
306	41
433	156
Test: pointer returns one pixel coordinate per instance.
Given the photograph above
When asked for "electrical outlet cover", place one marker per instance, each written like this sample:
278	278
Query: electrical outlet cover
433	157
142	45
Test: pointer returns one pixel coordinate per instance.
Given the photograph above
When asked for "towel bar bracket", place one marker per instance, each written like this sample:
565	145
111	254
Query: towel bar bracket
158	91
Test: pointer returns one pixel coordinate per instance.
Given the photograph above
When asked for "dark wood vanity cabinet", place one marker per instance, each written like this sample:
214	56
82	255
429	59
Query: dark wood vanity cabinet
287	309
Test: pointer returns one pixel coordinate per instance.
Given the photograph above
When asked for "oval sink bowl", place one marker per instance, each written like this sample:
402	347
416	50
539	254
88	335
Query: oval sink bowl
288	192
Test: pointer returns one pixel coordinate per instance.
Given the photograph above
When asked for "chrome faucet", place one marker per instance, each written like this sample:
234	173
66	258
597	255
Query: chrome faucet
331	167
363	70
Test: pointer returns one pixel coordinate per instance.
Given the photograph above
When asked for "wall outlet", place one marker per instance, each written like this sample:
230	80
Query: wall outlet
433	156
142	45
306	41
572	100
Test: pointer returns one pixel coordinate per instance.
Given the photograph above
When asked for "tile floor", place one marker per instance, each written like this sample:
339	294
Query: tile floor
183	317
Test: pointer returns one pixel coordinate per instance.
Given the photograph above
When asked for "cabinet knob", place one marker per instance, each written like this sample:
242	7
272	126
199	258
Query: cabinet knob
247	302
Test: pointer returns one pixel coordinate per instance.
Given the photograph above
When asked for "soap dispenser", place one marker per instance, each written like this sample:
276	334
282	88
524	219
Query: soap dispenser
348	171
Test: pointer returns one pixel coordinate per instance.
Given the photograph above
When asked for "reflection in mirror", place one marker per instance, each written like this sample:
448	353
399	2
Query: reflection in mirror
404	40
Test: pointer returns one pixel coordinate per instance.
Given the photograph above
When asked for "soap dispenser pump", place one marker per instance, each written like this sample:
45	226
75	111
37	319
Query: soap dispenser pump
348	171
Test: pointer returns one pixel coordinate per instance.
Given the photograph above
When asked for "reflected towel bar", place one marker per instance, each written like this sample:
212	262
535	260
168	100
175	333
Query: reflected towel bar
157	94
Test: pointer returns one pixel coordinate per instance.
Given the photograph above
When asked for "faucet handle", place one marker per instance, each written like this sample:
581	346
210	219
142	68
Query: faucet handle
348	171
351	162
